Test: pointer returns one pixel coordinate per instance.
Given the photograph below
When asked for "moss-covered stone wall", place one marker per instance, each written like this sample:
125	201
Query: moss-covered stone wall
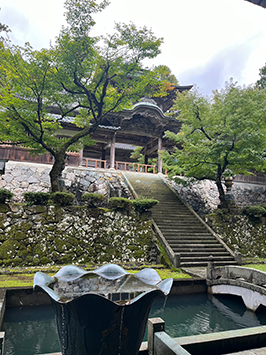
39	235
243	234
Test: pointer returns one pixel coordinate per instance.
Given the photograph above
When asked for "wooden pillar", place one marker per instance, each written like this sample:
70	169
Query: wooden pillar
80	157
103	155
146	159
160	162
112	153
103	152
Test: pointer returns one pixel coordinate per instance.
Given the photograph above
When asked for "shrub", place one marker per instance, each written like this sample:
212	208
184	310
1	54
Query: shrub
142	205
120	203
263	205
5	195
93	199
62	198
254	211
36	198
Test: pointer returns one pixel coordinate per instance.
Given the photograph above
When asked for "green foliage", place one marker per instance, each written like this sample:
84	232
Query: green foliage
36	198
81	73
93	199
261	83
221	135
143	205
254	211
120	204
63	198
5	195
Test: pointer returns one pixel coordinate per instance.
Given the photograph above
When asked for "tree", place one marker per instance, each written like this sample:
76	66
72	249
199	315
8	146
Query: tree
4	28
81	79
220	136
261	83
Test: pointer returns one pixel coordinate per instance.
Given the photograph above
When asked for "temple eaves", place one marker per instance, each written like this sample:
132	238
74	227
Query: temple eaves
261	3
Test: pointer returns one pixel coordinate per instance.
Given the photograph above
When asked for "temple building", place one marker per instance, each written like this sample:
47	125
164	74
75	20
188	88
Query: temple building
258	2
117	136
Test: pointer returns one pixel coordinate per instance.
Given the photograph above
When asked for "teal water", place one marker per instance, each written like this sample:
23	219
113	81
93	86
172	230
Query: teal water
32	330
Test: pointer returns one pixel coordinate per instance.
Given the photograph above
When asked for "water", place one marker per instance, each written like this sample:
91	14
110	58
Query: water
32	330
201	313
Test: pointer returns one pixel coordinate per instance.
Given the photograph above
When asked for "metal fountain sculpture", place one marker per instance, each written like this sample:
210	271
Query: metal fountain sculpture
102	312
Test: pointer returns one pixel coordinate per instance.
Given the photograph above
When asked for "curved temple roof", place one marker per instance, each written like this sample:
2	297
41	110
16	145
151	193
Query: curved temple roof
258	2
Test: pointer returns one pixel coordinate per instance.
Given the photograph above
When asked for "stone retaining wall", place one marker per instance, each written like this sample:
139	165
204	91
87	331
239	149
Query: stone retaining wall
203	196
29	177
39	235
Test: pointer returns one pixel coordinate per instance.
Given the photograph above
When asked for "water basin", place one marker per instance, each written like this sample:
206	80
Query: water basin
32	330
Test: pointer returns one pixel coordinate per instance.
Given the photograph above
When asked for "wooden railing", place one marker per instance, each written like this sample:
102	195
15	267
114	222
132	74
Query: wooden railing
120	165
95	163
136	167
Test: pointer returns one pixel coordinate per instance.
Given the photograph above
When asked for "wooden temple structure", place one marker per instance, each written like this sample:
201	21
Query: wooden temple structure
117	136
261	3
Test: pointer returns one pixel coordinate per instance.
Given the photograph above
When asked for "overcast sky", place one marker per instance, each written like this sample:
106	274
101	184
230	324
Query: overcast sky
206	42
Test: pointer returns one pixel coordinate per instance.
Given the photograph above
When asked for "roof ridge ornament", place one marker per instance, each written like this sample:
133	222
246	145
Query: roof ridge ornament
149	100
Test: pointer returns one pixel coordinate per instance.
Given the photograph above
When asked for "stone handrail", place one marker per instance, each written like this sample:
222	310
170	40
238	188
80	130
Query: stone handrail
250	284
248	275
160	342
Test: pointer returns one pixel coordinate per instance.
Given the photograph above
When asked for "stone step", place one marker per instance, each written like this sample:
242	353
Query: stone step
186	244
178	229
191	239
205	263
174	215
180	236
199	251
178	219
198	255
204	258
184	232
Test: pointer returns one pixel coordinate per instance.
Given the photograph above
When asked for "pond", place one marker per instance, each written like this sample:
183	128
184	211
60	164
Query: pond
32	330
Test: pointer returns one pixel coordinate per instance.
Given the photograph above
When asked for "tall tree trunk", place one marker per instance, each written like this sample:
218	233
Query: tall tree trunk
58	167
220	188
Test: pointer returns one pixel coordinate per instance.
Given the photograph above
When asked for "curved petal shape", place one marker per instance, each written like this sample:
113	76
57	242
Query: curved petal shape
165	286
41	279
110	271
104	311
70	273
149	276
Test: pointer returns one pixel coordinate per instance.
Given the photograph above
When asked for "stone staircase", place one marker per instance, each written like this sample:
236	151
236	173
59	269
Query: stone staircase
190	240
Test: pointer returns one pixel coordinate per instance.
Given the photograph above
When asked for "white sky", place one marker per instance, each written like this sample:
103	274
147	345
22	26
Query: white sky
206	42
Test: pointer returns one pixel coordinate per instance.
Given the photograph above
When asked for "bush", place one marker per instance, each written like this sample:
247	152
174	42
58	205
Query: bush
5	195
36	198
62	198
254	211
93	199
120	203
263	205
143	205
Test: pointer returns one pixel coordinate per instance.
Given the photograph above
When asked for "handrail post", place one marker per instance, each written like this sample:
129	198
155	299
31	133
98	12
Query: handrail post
154	325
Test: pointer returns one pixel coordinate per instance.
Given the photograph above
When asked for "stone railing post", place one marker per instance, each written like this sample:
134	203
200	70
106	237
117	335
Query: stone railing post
210	268
154	325
238	258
